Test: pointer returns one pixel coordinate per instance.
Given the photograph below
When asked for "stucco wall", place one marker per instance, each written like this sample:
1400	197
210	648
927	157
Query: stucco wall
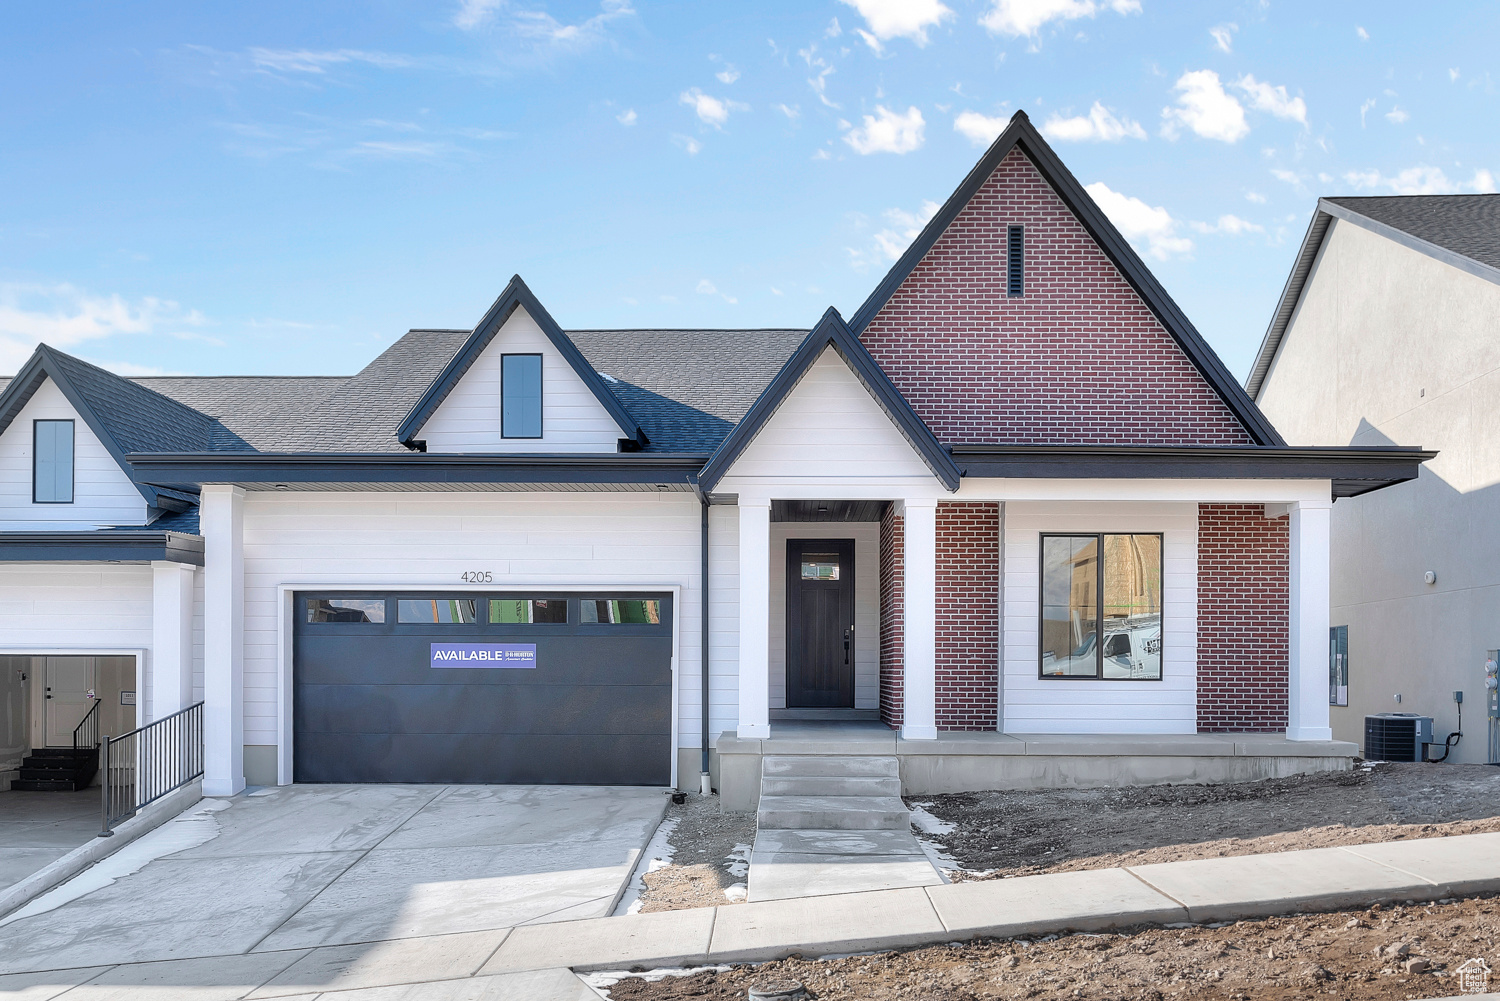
1391	346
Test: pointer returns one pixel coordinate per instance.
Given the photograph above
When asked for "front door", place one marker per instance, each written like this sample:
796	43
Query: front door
820	624
68	697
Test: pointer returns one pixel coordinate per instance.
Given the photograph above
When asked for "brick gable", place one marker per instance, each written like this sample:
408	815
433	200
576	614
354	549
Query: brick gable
1079	359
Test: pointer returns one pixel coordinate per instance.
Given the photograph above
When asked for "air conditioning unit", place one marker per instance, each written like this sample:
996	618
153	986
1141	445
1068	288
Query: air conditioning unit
1396	736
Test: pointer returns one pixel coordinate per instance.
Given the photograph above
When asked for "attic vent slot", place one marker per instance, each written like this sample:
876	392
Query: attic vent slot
1015	262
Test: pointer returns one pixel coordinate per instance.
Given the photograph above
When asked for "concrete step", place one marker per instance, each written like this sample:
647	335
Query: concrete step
833	813
830	785
849	765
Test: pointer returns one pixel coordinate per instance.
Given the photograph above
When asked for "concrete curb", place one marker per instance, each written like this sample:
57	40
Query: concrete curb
60	871
1221	889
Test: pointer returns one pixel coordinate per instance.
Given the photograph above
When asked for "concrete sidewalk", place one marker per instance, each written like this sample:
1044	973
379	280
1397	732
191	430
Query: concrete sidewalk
495	964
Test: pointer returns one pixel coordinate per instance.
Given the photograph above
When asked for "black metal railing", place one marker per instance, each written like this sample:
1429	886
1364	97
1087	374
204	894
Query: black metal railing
142	766
86	733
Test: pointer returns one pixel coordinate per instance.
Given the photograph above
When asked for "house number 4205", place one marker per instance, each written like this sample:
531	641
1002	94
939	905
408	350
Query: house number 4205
477	577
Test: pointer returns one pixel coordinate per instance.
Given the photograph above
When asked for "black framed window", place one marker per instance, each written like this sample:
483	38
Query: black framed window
52	462
528	611
620	611
370	611
445	610
1338	665
1101	608
520	396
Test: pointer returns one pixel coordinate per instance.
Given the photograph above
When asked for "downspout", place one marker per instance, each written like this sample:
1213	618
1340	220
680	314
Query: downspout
705	785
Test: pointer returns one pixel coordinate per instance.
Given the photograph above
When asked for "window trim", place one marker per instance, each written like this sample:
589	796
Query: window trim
540	396
72	459
1041	608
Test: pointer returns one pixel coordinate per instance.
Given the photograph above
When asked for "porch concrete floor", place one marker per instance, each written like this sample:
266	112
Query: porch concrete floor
299	867
38	828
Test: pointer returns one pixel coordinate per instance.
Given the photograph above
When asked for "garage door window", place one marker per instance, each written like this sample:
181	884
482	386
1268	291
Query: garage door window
632	611
437	610
371	610
529	610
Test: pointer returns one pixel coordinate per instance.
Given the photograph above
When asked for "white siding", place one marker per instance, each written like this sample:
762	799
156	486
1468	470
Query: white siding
866	536
1036	705
829	430
49	606
573	419
102	493
723	624
623	541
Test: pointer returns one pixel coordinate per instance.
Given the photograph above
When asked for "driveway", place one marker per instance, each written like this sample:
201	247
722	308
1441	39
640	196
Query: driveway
301	867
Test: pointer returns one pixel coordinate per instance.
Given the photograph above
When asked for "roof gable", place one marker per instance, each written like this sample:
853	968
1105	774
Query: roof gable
515	296
1021	139
831	332
124	416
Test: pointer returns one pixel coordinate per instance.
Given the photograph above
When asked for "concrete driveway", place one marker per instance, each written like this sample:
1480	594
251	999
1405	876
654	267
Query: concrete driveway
302	867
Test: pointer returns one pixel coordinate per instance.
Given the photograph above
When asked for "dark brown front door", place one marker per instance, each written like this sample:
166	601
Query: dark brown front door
820	623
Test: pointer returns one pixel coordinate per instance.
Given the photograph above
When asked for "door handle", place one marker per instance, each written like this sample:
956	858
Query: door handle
846	646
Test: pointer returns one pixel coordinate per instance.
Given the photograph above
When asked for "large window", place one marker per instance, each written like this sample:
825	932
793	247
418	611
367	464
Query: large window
1101	607
52	462
1338	665
520	396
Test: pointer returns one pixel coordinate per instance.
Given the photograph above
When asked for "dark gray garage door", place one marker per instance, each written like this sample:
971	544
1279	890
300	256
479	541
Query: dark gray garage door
461	687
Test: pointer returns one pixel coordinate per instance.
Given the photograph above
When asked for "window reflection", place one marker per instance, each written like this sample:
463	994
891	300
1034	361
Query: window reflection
346	610
1102	606
528	610
620	611
447	610
1132	606
1070	605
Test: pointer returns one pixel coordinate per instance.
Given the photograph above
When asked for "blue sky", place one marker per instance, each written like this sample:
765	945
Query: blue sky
287	187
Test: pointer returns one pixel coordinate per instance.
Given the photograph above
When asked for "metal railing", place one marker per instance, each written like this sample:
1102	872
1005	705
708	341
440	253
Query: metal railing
86	733
142	766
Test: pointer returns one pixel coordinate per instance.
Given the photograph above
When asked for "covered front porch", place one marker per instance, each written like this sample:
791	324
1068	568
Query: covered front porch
964	761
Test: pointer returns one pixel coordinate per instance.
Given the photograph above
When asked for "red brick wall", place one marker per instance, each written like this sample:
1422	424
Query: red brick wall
1077	359
968	616
892	615
1244	565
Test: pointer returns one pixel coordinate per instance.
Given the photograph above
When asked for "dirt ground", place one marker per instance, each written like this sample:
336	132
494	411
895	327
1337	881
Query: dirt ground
705	862
1379	954
1018	833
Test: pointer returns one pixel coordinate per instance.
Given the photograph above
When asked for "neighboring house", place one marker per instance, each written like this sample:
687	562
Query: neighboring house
1389	331
485	556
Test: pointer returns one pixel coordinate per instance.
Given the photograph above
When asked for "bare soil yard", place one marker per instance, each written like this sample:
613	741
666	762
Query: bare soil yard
705	862
1056	830
1379	954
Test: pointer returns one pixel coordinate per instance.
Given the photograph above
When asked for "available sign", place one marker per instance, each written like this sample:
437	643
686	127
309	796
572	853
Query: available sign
484	655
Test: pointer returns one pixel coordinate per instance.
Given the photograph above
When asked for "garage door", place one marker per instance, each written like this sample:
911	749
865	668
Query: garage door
456	687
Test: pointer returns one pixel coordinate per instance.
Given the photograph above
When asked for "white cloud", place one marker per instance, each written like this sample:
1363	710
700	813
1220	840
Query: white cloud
891	242
628	117
898	19
706	287
309	61
1453	75
688	143
1256	197
1097	126
833	30
1231	224
1141	223
64	317
1027	17
887	131
1363	109
1396	116
711	110
981	129
1203	107
819	65
1421	180
1362	34
1264	97
1286	176
472	13
727	75
790	112
1223	36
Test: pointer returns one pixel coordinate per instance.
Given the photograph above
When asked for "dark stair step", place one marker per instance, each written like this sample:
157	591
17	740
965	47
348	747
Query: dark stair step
31	772
49	785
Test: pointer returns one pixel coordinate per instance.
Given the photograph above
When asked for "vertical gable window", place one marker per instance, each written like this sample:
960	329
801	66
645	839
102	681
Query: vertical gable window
521	396
52	462
1015	261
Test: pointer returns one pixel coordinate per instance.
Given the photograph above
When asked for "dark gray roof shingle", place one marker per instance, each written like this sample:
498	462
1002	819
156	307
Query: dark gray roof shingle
1465	224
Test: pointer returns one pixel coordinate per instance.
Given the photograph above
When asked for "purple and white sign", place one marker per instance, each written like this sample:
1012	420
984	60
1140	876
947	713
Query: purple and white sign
483	655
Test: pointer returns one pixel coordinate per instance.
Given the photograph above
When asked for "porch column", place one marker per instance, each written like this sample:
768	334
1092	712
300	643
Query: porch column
222	515
919	718
1307	646
755	618
171	638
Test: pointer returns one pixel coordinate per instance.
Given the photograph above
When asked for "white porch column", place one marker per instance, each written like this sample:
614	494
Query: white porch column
171	638
919	715
1307	680
222	515
755	618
